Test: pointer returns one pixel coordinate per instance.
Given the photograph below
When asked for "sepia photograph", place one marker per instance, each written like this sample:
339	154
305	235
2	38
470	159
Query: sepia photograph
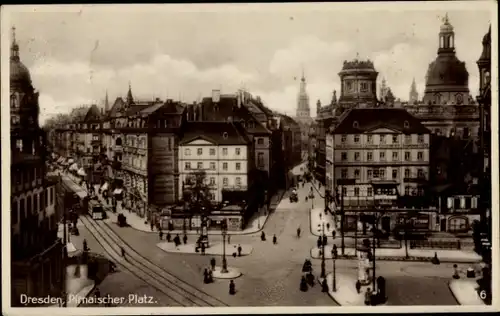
243	158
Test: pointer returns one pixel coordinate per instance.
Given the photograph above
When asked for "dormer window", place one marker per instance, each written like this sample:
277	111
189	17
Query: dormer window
407	124
224	135
355	124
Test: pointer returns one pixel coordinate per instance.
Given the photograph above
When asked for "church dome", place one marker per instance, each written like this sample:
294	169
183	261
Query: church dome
447	70
20	77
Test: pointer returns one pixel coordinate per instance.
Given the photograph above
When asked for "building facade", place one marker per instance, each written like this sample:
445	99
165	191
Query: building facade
221	152
36	251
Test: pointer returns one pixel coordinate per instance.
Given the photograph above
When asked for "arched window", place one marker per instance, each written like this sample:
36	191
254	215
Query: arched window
355	124
224	135
118	141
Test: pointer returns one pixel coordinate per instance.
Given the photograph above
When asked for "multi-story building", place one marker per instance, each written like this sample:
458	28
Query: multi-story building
373	145
36	251
222	151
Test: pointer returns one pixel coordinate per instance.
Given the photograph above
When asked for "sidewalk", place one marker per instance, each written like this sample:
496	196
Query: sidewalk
316	218
77	287
465	291
346	293
214	249
400	254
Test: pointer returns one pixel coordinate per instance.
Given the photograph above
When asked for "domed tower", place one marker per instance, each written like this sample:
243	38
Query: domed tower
358	84
447	79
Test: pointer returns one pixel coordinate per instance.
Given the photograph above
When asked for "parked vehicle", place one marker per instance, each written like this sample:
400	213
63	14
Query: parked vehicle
96	210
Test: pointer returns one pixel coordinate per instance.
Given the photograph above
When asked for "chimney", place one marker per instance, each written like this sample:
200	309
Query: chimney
215	96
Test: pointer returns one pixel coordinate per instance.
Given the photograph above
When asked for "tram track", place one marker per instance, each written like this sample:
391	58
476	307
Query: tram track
178	291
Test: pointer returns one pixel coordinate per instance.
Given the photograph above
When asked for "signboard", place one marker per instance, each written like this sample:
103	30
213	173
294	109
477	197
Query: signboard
420	222
196	222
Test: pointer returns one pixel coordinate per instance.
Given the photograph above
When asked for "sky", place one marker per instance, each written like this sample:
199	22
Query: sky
77	53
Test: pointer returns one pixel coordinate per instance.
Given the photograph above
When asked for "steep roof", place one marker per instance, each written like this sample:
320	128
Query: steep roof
362	120
93	114
221	133
78	115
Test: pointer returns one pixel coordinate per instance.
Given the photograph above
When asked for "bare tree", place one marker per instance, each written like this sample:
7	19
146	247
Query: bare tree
196	193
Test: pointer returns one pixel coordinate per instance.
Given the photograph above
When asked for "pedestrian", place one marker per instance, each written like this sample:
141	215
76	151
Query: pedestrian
325	239
123	252
228	239
320	216
212	263
275	240
368	296
232	288
298	232
324	286
334	232
263	236
334	251
202	248
152	226
319	242
210	276
185	239
169	237
85	247
239	250
161	235
205	276
358	286
303	284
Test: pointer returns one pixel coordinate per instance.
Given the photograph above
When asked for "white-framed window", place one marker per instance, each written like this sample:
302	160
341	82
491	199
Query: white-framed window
238	151
356	173
394	173
260	141
407	139
356	138
407	156
224	166
224	151
382	155
369	156
343	173
343	156
369	173
370	191
199	151
260	160
238	166
356	156
187	152
225	181
343	138
200	165
407	173
212	180
382	173
420	139
212	165
212	151
369	139
420	156
382	139
238	181
187	165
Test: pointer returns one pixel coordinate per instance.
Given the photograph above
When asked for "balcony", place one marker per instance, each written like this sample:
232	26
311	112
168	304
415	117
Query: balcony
234	188
381	163
384	146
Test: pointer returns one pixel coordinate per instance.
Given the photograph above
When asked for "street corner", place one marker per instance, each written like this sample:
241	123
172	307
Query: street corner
342	289
214	249
316	252
466	292
230	273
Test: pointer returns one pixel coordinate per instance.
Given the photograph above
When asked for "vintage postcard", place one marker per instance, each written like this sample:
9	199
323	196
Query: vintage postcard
250	158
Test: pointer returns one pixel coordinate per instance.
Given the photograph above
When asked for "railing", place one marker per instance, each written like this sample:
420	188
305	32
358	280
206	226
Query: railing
384	162
437	244
382	146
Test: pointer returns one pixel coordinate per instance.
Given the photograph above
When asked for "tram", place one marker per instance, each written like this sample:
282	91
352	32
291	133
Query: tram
96	210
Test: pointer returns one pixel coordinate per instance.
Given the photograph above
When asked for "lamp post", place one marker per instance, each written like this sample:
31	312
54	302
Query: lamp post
323	274
224	233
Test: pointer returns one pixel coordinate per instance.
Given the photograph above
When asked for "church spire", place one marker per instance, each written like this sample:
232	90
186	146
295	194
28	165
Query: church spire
446	36
303	110
130	98
413	92
106	102
14	48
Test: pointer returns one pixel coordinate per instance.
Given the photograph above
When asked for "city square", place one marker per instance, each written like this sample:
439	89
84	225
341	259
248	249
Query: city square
224	194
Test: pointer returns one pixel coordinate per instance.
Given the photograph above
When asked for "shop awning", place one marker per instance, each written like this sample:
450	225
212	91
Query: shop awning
117	191
81	172
71	160
73	167
105	186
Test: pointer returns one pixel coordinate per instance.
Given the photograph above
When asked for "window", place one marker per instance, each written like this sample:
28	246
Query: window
407	124
458	224
343	174
212	196
394	173
260	141
407	190
407	173
260	160
356	156
355	124
420	156
375	173
395	139
420	173
343	138
200	165
420	191
356	173
369	174
238	151
356	138
225	181
212	180
187	152
407	139
364	86
343	156
420	139
369	139
19	144
238	166
394	155
212	165
370	191
238	181
382	156
382	173
369	156
187	165
212	151
224	166
224	151
382	139
199	151
344	191
356	191
407	156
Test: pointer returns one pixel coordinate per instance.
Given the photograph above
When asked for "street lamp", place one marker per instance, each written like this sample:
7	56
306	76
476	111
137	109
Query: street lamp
224	233
323	274
334	257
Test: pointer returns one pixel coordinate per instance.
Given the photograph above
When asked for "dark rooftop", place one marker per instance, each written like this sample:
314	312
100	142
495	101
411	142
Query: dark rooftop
221	133
362	120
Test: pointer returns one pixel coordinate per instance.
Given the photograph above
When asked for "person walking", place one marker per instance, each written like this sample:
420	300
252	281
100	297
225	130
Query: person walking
232	288
239	250
169	237
123	252
298	232
228	239
212	263
275	239
161	235
263	236
185	239
358	286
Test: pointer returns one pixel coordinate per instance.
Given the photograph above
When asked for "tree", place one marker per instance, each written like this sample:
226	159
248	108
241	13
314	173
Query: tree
196	193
